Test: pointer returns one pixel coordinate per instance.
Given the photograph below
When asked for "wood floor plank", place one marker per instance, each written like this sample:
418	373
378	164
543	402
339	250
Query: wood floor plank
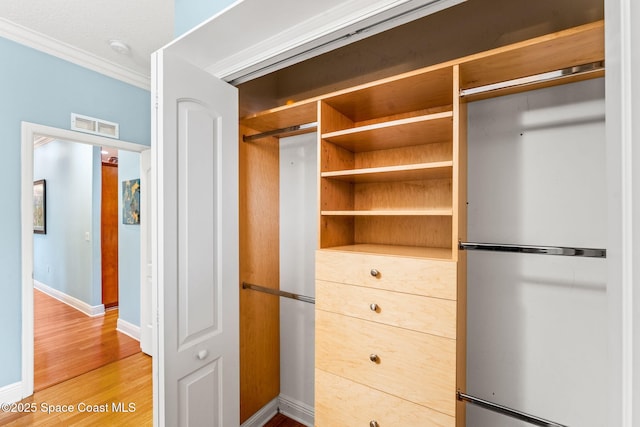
280	420
68	343
114	388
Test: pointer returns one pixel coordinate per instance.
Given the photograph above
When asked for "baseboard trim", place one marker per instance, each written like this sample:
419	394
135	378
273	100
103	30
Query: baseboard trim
89	310
128	329
263	415
296	410
11	393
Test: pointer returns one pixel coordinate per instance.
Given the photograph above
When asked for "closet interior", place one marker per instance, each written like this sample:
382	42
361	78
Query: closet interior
380	189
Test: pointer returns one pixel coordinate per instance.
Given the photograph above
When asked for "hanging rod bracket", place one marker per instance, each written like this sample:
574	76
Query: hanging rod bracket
529	249
507	411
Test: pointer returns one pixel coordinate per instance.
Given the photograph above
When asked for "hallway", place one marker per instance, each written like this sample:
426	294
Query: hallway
69	343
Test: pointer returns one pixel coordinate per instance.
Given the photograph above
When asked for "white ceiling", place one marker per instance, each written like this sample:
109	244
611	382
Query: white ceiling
89	25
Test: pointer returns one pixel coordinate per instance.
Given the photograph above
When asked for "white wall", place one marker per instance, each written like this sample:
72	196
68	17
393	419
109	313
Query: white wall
537	324
298	242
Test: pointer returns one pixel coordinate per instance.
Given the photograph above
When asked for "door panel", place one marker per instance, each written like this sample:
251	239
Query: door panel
196	159
109	235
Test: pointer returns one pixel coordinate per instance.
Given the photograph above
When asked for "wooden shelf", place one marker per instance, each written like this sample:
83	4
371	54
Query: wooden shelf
563	49
393	250
415	172
417	212
413	91
393	134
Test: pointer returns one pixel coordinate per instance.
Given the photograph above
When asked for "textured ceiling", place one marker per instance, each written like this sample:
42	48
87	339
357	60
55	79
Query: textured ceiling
144	25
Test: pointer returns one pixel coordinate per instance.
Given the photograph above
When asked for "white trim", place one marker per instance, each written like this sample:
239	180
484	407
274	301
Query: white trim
269	48
46	44
296	410
11	393
128	329
263	415
29	132
73	302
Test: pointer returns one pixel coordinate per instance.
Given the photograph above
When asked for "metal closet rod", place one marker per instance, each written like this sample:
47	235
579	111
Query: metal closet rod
281	131
530	249
536	78
508	411
278	292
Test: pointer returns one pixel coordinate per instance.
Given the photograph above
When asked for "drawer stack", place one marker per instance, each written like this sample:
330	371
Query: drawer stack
385	340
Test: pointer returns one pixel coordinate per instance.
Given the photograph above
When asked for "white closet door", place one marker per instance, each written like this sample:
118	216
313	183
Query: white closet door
196	154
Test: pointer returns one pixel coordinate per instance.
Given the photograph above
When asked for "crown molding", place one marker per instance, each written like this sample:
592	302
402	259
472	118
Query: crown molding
51	46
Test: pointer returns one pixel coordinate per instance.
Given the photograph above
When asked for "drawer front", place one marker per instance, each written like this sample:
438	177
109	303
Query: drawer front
410	275
344	403
419	313
411	365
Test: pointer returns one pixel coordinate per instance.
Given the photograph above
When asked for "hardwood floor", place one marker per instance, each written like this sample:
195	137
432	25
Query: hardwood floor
124	385
282	421
68	343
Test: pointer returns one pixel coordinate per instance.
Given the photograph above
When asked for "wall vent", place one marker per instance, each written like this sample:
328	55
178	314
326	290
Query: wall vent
95	126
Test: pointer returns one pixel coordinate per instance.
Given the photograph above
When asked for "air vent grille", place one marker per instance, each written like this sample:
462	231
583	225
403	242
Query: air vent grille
95	126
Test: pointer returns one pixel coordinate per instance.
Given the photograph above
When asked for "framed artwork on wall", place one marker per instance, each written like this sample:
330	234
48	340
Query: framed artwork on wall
40	207
131	201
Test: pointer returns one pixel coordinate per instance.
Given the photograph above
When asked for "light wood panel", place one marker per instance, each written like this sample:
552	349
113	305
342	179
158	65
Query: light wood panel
434	316
259	264
402	132
109	234
345	403
125	384
68	343
281	117
567	48
426	231
410	172
408	275
403	195
399	251
413	91
427	153
410	365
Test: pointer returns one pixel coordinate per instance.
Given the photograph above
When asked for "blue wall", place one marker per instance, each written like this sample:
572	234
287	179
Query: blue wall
128	246
40	88
190	13
63	257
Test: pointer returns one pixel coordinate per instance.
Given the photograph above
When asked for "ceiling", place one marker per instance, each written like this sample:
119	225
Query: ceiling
144	25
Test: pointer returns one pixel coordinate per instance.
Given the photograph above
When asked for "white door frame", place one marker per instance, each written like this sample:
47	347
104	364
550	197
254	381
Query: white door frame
29	132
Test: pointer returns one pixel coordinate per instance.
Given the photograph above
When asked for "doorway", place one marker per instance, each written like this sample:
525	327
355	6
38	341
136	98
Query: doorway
30	132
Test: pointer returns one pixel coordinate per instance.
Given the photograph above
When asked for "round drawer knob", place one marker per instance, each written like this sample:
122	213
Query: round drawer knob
374	307
374	272
374	358
374	423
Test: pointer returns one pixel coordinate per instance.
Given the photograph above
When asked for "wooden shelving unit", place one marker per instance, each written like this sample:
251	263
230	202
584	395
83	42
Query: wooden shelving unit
386	163
392	198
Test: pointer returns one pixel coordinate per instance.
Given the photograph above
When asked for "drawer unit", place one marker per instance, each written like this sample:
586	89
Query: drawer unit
410	275
419	313
345	403
411	365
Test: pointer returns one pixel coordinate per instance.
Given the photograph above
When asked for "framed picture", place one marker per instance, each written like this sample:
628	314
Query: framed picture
40	207
131	201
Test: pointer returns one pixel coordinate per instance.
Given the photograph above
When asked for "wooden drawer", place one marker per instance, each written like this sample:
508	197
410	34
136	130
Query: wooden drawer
344	403
410	275
411	365
419	313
